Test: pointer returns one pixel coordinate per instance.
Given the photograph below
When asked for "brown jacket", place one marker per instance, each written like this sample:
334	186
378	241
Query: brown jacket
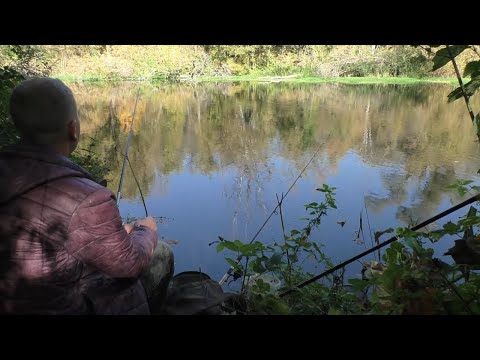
63	249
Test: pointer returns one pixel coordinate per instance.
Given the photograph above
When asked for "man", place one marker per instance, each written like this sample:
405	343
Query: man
63	248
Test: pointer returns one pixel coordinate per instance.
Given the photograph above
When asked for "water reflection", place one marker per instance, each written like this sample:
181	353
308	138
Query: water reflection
213	156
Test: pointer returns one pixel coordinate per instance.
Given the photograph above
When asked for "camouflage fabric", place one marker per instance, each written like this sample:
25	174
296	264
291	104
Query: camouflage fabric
157	277
187	293
195	293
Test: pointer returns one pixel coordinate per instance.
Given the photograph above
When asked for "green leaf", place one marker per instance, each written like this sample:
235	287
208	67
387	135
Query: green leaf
258	267
472	212
462	190
455	94
273	263
442	56
406	232
233	263
437	234
251	248
238	243
285	247
294	232
470	221
396	246
280	308
293	258
334	311
220	247
414	244
451	228
312	205
390	255
262	285
316	247
377	234
325	188
276	259
358	284
229	245
470	88
471	68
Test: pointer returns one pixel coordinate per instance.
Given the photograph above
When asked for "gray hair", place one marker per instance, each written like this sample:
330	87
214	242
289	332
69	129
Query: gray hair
41	109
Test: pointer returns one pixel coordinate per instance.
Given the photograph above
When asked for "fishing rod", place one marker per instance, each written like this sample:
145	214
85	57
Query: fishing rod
125	159
138	186
392	239
229	272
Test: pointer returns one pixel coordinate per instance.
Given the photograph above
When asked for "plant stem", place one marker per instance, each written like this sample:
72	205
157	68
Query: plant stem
453	287
285	240
459	78
370	228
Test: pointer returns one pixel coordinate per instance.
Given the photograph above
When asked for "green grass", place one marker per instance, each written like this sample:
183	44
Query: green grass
341	80
270	79
70	78
89	78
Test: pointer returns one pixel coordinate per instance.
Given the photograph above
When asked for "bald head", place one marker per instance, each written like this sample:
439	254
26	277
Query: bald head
44	112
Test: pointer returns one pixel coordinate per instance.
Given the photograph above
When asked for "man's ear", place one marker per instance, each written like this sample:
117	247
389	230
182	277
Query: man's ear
72	130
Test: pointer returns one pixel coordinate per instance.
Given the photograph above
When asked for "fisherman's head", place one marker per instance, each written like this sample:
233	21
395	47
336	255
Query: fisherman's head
44	112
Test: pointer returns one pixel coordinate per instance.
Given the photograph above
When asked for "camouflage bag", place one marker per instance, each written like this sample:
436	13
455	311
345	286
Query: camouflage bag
195	293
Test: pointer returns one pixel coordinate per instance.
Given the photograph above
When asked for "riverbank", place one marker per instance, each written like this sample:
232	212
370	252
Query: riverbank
269	79
340	80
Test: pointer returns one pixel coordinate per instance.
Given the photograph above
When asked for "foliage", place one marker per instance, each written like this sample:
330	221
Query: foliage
409	280
19	62
283	263
449	54
170	62
91	161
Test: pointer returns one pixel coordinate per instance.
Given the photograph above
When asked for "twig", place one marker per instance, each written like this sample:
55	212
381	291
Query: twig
244	277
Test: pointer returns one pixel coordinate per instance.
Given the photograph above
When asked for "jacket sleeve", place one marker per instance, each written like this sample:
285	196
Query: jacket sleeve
97	237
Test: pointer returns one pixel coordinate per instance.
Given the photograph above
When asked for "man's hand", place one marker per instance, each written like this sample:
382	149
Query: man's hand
129	227
151	224
148	222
